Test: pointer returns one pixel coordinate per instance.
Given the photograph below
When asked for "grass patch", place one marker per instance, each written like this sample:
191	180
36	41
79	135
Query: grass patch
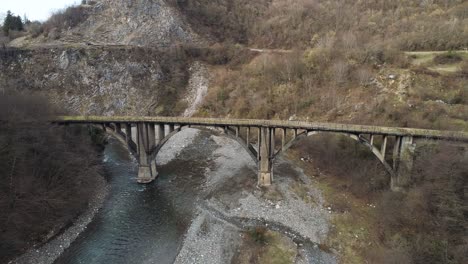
419	58
280	250
447	58
450	68
263	246
302	191
439	61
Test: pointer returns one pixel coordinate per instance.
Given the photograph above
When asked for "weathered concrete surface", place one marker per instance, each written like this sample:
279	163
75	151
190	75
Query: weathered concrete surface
146	138
404	163
147	147
327	127
265	175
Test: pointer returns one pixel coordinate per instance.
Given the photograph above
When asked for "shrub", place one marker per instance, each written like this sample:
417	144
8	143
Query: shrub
35	29
66	19
464	69
447	58
259	234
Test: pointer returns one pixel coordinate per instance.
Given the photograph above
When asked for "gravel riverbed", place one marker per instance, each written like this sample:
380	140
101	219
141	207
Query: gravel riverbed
232	203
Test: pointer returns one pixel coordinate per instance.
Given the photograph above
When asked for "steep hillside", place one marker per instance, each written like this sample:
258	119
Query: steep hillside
339	60
403	24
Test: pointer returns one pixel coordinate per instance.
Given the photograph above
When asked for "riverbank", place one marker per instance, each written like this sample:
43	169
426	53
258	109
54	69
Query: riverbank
51	250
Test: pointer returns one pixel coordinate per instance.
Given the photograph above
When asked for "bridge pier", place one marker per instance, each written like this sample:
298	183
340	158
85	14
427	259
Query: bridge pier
265	169
146	137
161	132
403	159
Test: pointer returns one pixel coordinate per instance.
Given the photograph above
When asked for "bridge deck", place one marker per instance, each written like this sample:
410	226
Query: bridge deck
312	126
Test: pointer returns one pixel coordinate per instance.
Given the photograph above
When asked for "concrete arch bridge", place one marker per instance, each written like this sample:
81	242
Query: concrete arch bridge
144	137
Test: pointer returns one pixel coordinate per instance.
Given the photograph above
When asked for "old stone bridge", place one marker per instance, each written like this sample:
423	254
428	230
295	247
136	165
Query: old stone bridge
145	136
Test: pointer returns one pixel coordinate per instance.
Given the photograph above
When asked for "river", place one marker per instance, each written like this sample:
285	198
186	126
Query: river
148	223
143	223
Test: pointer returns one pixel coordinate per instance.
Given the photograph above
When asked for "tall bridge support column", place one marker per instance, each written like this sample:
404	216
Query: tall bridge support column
146	142
265	172
161	132
403	158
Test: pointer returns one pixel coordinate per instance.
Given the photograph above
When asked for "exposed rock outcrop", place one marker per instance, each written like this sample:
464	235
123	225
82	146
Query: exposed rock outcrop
149	23
101	81
134	22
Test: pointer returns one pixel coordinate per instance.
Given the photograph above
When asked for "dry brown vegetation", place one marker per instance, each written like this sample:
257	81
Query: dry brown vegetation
333	84
426	224
47	173
340	59
405	24
61	21
263	246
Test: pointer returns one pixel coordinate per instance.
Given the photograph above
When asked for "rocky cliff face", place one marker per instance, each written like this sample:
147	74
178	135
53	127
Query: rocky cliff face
133	22
150	23
116	62
101	81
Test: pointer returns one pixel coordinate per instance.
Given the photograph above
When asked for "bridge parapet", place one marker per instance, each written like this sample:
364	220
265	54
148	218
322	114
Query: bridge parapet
312	126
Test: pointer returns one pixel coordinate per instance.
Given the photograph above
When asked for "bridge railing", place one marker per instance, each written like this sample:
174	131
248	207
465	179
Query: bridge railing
311	126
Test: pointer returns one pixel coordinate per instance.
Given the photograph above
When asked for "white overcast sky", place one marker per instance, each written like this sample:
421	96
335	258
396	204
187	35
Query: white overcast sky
33	9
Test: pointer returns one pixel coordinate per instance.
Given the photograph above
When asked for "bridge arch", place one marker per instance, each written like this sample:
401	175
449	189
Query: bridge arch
227	132
243	143
363	141
145	146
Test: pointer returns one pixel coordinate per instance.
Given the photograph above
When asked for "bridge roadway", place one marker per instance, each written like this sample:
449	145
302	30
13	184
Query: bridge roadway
146	143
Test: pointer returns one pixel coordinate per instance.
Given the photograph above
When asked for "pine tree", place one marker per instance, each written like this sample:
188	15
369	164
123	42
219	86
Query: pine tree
7	23
12	23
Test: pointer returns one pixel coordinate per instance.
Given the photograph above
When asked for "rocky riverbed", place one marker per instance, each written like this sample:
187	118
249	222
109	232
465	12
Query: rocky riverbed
231	204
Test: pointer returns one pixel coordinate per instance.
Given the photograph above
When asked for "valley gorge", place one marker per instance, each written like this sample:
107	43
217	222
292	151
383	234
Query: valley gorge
330	201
